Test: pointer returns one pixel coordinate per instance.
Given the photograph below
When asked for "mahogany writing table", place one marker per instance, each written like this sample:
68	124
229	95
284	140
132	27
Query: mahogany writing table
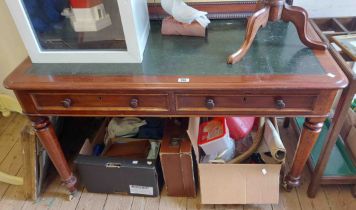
185	76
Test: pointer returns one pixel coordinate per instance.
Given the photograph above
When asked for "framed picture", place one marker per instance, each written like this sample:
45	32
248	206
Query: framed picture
347	43
82	31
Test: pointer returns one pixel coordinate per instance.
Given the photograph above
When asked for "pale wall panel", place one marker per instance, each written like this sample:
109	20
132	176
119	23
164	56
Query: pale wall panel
12	50
328	8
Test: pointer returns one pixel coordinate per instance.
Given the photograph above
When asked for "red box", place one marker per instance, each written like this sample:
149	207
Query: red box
84	3
204	136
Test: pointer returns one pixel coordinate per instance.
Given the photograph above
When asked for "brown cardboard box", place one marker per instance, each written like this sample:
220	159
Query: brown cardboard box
235	183
350	122
177	161
348	133
351	143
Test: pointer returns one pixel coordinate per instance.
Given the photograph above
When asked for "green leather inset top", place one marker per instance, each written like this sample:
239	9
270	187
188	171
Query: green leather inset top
276	50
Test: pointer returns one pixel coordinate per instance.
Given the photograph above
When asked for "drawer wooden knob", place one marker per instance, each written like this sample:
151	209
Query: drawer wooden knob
210	104
134	103
280	104
67	103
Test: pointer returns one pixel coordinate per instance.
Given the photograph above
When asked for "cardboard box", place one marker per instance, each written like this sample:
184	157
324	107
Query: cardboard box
349	122
235	183
117	175
178	162
351	143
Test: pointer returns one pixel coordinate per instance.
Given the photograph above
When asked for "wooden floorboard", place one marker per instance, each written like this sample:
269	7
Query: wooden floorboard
349	200
229	207
173	203
11	165
10	146
9	134
138	203
288	200
91	201
61	201
118	202
194	203
56	197
152	203
14	197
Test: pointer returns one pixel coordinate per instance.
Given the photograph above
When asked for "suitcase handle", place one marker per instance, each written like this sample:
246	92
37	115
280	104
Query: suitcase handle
112	165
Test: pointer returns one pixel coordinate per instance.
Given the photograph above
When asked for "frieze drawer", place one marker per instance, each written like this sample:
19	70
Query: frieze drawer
115	102
205	102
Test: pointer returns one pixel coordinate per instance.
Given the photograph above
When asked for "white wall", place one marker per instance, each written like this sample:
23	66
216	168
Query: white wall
328	8
12	50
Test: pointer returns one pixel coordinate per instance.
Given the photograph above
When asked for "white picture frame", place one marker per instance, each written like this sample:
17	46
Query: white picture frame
135	22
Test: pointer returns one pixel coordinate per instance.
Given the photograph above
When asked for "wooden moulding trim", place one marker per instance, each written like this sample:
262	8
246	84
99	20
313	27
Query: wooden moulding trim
113	113
216	10
338	179
20	80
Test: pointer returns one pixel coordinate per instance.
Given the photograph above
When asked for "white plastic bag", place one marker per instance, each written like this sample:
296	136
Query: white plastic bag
184	13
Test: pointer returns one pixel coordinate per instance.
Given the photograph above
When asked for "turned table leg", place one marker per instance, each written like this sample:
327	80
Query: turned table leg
307	139
48	138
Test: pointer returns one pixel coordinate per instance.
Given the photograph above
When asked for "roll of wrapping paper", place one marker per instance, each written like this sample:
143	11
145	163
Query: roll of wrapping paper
274	141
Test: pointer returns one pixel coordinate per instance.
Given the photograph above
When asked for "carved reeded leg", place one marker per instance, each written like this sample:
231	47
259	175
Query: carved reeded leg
48	138
307	139
256	21
299	17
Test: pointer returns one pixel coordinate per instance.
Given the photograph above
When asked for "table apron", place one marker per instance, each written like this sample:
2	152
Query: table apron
177	103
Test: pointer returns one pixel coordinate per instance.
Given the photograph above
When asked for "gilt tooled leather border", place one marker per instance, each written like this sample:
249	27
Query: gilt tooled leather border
216	10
